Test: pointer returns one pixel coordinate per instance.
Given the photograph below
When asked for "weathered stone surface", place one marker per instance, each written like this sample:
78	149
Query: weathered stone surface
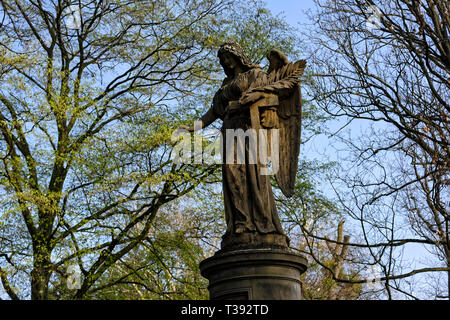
254	261
251	98
253	240
254	274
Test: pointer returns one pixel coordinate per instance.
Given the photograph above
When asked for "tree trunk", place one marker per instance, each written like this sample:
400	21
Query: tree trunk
40	275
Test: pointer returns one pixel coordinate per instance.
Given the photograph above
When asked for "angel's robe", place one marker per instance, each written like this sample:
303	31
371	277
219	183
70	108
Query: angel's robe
248	196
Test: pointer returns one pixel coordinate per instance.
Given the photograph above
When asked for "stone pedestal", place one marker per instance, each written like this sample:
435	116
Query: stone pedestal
254	274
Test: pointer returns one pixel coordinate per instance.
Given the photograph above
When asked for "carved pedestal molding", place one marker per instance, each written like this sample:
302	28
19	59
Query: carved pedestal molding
254	274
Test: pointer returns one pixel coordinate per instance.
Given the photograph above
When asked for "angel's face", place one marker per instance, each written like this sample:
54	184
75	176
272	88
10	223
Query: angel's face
229	61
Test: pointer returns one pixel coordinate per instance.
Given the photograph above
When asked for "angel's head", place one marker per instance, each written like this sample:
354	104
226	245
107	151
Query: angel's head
232	58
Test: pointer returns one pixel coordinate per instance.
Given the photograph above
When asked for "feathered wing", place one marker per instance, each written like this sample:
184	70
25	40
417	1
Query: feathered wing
289	130
277	59
283	79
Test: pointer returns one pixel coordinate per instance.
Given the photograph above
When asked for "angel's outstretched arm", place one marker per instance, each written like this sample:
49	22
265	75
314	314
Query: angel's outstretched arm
209	117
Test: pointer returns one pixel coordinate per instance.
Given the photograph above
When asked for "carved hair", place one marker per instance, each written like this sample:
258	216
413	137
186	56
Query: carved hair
236	51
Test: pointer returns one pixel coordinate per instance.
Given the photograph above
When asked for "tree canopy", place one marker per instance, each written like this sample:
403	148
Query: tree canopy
90	94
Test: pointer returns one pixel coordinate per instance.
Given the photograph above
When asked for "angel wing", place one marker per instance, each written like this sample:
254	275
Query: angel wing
282	74
283	78
277	59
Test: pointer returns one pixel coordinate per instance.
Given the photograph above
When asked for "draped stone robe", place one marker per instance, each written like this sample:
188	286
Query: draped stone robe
248	197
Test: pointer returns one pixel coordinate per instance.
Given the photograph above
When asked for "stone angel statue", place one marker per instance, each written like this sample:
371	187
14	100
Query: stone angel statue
251	98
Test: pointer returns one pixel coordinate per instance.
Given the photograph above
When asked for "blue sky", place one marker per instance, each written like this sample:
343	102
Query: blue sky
291	9
294	12
319	147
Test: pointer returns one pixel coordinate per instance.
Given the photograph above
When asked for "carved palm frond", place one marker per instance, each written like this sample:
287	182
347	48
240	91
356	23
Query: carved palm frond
285	77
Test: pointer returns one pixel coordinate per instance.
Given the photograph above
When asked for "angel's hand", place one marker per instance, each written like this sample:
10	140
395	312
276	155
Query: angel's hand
251	97
187	128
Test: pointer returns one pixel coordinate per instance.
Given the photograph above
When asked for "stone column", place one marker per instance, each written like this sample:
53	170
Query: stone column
254	274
